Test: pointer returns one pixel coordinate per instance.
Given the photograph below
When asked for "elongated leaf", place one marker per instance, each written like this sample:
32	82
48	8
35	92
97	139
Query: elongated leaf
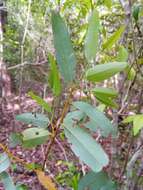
92	36
96	181
34	136
36	119
108	92
40	101
122	55
54	78
106	100
105	71
7	181
64	50
98	117
113	39
84	146
4	162
45	180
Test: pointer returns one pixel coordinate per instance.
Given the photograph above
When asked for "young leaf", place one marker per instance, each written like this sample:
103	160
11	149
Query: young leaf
96	181
34	136
54	78
105	71
35	119
84	146
7	181
108	92
113	39
92	36
45	180
64	51
40	101
98	117
4	162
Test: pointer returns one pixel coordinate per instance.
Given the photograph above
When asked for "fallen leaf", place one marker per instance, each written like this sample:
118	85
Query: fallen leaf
45	180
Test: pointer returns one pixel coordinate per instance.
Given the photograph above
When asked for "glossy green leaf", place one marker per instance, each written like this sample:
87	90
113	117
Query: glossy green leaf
35	119
34	136
108	92
54	78
92	36
84	146
96	181
97	116
40	101
15	139
4	162
7	181
112	40
64	51
105	71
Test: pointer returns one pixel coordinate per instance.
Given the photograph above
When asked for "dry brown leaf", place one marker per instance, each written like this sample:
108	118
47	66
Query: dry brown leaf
45	180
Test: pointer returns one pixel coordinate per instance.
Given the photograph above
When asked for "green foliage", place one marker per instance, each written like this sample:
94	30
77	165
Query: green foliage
34	136
92	36
96	181
54	78
40	101
35	119
4	162
137	122
64	51
104	71
113	39
15	139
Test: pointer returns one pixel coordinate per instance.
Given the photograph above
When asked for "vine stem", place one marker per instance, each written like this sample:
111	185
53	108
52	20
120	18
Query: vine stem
57	126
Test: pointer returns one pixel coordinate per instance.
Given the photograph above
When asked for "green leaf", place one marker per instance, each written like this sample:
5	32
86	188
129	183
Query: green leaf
105	71
122	55
7	181
36	119
54	78
84	146
4	162
15	139
34	136
137	122
106	100
136	10
21	187
96	181
40	101
98	117
64	51
108	3
113	39
108	92
92	36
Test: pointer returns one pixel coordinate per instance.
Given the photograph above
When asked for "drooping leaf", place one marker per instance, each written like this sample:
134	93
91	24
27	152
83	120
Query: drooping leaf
54	78
15	139
64	51
92	36
105	71
96	116
84	146
4	162
108	92
45	180
7	181
35	119
40	101
96	181
113	39
34	136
